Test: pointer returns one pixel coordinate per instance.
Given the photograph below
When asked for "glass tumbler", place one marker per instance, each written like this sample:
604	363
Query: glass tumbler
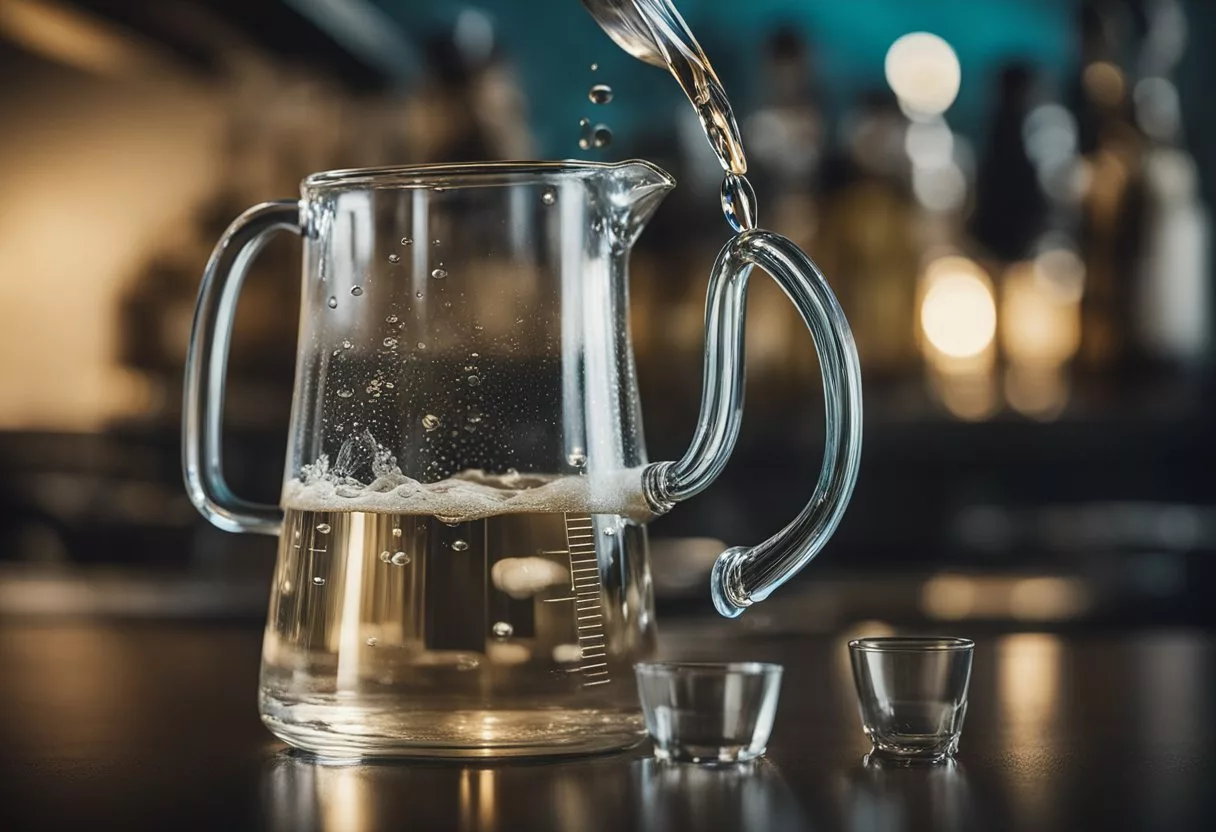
913	694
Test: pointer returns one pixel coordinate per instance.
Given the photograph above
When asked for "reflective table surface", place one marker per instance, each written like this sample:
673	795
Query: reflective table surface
146	726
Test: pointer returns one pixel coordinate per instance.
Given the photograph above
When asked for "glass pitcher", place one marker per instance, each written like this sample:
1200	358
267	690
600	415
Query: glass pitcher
462	565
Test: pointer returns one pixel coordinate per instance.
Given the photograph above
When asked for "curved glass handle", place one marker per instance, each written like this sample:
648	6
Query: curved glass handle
744	575
207	364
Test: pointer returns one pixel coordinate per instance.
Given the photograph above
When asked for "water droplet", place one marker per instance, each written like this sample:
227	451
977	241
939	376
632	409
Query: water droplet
459	545
391	343
577	458
385	555
439	274
502	629
430	421
474	417
318	581
400	559
473	355
406	241
434	242
595	67
474	381
548	196
323	528
601	136
584	133
394	258
418	295
333	302
421	345
345	392
610	531
512	472
397	532
356	290
372	641
347	345
738	202
392	319
600	94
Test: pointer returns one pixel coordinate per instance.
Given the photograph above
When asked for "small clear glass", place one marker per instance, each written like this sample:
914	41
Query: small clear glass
707	712
913	694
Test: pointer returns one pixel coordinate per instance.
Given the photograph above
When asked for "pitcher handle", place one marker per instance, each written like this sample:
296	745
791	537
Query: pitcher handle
743	575
207	364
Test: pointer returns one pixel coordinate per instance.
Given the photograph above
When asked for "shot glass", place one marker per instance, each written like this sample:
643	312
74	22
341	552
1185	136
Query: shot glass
709	713
913	694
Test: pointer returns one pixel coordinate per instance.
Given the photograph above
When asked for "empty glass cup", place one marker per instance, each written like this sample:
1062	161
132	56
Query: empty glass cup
707	712
913	694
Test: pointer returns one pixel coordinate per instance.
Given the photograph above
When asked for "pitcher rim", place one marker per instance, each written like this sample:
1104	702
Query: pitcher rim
467	174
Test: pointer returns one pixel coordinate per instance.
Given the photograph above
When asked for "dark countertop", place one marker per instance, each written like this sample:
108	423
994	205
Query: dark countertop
146	726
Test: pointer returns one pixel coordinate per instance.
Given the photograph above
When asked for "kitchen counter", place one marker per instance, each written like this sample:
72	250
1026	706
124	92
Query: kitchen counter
137	725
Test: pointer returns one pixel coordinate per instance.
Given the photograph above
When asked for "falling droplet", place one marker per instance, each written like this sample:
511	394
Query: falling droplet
595	67
474	381
345	392
430	421
319	581
548	196
400	559
459	545
385	555
406	241
394	258
333	302
584	133
738	202
502	629
601	136
397	532
439	274
372	641
323	528
356	290
577	458
600	94
391	343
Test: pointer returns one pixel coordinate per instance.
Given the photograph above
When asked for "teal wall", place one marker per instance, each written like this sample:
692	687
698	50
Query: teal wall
554	41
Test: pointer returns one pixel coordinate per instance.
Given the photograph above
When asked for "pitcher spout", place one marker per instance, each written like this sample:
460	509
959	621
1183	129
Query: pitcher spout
633	191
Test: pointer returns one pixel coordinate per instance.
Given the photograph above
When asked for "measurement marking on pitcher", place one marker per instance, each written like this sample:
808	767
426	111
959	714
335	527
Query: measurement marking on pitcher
586	593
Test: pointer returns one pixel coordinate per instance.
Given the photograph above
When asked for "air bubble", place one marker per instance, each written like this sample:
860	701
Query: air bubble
394	258
345	392
391	319
418	295
385	556
474	381
323	528
577	458
347	345
584	133
610	531
397	532
439	274
421	345
406	241
600	94
356	290
459	545
400	559
502	629
595	67
601	136
333	302
318	581
391	343
430	421
372	641
548	196
435	242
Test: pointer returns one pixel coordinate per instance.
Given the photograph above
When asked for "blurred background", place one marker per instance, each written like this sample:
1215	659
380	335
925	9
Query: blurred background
1012	199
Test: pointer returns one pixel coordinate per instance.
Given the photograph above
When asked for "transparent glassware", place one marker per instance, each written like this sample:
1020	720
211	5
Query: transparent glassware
462	563
913	694
701	712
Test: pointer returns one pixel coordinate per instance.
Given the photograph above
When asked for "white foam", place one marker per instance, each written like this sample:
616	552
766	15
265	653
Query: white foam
471	495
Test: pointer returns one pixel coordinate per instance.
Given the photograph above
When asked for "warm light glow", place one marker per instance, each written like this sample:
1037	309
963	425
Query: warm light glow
76	38
923	70
1047	599
957	310
954	597
1040	309
1104	83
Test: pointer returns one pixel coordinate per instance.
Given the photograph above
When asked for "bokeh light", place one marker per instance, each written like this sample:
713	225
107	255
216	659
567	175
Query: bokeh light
924	72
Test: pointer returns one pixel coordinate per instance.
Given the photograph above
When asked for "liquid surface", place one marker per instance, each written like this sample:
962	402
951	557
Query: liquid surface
403	634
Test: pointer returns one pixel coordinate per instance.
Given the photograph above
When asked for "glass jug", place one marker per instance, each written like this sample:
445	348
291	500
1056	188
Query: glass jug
462	565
